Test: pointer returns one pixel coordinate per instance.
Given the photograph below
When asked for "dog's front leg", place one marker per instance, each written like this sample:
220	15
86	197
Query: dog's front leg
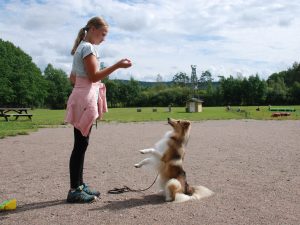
147	150
151	151
142	163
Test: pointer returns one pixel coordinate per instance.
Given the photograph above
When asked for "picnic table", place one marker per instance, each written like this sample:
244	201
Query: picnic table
15	112
282	109
278	114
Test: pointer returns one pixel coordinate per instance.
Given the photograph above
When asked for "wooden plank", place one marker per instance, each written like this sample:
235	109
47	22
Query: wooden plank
4	109
5	116
17	115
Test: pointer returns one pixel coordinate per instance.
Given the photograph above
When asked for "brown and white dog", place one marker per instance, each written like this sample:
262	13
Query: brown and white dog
167	158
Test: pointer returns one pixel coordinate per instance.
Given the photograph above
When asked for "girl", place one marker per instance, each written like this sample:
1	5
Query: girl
87	101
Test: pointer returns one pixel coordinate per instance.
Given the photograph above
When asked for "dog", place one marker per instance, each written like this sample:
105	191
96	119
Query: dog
167	157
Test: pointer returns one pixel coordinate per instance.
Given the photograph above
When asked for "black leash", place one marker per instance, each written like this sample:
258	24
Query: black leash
128	189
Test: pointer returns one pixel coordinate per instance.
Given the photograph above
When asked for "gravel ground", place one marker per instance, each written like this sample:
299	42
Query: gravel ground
252	166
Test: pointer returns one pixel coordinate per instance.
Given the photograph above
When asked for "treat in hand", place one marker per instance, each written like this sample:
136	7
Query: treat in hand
125	63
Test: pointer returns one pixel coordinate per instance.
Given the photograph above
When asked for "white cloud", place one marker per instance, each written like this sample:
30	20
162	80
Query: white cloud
162	36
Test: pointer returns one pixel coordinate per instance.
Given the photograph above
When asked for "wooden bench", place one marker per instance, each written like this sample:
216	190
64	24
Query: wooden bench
17	115
282	109
5	116
17	112
279	114
275	114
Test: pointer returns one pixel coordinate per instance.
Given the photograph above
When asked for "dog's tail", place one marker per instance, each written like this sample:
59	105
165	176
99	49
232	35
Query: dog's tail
174	185
199	193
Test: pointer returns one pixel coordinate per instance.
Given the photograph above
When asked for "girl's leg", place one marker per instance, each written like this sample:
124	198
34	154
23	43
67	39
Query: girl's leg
77	193
77	158
82	161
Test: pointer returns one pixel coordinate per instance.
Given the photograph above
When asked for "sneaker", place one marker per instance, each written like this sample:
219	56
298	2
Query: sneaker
80	196
87	190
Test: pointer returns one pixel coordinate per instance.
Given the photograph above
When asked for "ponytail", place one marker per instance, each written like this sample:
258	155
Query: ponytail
97	22
79	38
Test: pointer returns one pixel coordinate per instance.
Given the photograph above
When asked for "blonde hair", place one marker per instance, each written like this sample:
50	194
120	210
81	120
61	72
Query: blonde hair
97	22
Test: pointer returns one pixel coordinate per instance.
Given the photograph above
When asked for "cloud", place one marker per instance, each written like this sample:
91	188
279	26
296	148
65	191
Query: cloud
160	36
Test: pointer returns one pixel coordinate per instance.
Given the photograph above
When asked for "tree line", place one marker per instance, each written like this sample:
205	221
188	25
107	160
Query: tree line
22	83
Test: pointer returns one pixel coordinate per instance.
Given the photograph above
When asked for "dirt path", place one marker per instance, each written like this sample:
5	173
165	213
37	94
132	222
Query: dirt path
252	166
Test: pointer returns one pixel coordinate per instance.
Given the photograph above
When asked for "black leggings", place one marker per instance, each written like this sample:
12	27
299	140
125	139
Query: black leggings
77	158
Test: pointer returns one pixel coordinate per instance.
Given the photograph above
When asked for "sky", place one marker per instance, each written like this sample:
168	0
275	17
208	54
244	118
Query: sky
225	37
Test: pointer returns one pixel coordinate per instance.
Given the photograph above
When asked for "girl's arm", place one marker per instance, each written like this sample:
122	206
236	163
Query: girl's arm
93	72
72	79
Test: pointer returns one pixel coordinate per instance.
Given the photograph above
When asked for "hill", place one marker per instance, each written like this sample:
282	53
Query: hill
149	84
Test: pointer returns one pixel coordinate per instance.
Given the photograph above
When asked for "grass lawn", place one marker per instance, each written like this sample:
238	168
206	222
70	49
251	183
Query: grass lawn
50	118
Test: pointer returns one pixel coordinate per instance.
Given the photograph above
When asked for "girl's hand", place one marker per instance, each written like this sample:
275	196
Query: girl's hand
124	63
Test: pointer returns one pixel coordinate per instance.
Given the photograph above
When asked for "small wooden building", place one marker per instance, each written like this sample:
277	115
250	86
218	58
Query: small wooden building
194	105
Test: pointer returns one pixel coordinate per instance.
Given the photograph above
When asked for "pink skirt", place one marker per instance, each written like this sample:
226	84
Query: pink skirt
86	103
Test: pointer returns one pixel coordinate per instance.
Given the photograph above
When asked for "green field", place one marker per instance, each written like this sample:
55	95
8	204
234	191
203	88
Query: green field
52	118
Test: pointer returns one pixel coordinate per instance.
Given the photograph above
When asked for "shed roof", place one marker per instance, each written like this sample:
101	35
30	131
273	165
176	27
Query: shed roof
195	100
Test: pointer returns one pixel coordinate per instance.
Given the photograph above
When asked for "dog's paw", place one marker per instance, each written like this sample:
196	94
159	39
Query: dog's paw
161	193
143	151
137	165
168	199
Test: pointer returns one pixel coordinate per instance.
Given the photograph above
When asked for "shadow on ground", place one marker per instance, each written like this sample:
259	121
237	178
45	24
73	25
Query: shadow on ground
131	203
32	206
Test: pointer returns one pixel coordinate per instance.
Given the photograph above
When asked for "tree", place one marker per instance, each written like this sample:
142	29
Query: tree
58	87
112	90
21	81
231	90
129	92
134	90
175	95
159	83
295	93
181	79
159	78
205	79
6	91
277	91
292	75
254	91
